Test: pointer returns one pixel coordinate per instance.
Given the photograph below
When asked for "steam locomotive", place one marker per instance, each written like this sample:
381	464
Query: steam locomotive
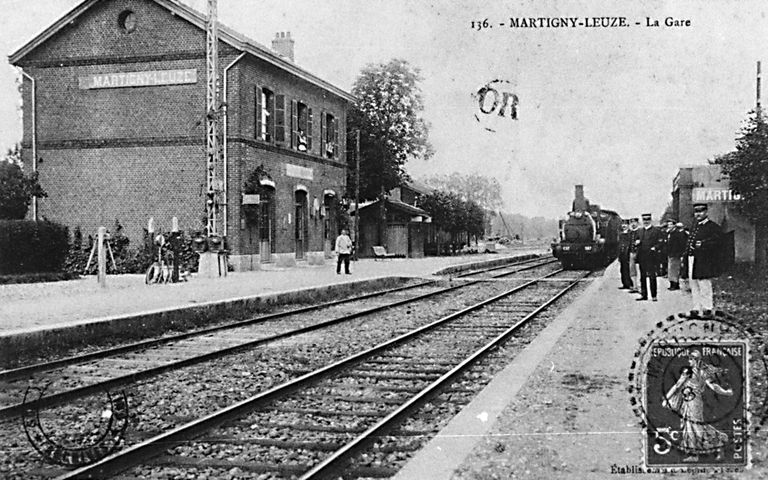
589	236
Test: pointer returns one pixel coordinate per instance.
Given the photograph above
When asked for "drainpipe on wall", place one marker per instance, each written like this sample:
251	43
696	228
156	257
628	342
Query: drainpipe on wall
224	147
34	137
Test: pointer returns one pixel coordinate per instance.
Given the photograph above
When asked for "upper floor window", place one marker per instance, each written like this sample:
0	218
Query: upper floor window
265	114
301	126
329	137
127	21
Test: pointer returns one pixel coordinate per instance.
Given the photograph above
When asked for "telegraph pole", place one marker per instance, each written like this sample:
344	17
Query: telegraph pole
757	94
213	182
357	193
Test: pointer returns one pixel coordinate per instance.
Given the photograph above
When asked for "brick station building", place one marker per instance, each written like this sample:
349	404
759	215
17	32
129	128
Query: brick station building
114	120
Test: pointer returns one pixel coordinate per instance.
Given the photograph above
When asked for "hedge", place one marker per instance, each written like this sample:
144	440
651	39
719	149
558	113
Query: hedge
27	246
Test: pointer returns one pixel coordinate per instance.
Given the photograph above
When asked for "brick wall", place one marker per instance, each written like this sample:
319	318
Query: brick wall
139	152
94	187
246	152
96	36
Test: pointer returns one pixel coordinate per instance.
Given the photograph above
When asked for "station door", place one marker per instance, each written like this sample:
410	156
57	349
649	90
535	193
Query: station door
329	225
267	226
301	225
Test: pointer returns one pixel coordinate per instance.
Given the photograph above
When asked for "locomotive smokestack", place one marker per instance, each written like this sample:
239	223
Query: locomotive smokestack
579	202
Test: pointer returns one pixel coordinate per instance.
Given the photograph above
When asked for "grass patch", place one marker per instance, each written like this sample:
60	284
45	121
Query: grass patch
743	293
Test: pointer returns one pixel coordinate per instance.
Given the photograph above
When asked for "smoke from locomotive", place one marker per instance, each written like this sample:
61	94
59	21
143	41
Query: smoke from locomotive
589	236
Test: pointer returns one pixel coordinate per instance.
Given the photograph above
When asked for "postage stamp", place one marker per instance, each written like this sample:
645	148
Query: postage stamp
690	386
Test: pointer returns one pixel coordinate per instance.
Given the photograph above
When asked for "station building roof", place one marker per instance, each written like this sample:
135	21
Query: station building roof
227	35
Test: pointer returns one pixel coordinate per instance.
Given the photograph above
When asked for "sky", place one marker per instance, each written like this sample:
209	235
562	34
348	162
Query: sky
617	109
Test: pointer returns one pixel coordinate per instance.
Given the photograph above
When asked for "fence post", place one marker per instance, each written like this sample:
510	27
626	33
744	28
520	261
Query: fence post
102	257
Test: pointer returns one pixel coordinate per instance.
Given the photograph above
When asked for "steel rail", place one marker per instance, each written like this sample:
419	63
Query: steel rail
99	387
331	466
25	371
151	447
499	267
19	372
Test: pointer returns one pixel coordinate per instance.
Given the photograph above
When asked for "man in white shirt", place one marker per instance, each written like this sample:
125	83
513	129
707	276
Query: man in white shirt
344	251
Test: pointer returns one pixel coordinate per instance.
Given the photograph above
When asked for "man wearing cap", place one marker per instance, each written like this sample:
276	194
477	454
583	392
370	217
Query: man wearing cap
648	247
703	252
624	245
633	241
677	239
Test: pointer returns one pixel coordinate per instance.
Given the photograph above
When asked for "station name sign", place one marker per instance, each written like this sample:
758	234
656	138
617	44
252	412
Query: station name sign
151	78
296	171
715	195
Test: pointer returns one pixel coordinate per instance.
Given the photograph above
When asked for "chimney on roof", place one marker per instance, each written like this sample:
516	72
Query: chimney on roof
282	44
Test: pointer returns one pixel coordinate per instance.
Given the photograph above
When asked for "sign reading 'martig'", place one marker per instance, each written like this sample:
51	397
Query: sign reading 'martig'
150	78
715	195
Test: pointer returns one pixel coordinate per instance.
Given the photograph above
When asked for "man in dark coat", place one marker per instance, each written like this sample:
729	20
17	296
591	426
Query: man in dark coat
624	246
648	247
677	240
703	254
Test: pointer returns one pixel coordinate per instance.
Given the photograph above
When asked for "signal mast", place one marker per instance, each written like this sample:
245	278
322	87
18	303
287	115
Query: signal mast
214	184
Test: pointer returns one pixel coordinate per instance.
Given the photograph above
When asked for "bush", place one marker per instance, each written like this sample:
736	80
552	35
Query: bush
128	258
78	253
27	246
37	277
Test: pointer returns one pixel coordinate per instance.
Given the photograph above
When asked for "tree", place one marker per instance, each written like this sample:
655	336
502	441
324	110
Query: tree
453	214
747	168
388	116
482	190
16	189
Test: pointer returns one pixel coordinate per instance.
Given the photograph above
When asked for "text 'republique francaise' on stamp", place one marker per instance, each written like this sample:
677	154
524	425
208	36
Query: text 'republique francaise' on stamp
690	385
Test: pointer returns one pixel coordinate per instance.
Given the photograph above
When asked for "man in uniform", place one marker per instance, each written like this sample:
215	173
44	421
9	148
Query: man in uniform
677	239
703	253
624	246
662	256
633	241
648	246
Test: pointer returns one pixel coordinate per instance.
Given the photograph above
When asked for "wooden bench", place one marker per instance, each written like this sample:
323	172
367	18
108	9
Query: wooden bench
381	253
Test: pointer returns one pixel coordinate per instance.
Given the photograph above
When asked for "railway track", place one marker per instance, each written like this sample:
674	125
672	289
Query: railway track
95	372
323	423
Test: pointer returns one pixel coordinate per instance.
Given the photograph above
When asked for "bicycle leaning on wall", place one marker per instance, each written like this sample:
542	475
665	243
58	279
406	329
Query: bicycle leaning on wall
161	271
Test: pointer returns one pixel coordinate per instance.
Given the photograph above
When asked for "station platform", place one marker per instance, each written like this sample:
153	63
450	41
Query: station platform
31	305
561	408
55	316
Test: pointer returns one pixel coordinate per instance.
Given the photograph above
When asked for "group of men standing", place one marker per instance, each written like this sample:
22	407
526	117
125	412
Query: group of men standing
693	255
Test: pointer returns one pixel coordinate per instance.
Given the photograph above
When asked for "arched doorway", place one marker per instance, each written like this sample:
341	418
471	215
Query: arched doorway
301	223
267	222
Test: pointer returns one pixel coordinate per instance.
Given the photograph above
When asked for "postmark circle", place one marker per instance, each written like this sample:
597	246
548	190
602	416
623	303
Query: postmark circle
82	449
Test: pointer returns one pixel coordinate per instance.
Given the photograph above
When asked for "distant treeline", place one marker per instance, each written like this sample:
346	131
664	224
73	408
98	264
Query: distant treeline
520	227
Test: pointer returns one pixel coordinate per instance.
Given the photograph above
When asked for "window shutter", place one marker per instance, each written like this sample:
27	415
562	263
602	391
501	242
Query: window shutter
309	130
258	106
323	129
280	118
294	124
270	107
336	137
